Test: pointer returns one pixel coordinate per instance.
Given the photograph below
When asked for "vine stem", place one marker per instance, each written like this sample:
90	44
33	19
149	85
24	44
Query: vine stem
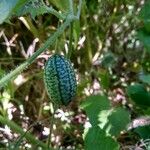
70	7
46	45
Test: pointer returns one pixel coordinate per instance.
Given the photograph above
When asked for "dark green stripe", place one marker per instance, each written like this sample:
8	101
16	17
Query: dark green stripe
68	65
57	75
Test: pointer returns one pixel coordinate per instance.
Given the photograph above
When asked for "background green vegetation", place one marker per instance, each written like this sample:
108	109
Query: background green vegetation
111	57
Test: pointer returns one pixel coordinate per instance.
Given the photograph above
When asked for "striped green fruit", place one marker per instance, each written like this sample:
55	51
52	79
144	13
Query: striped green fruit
60	81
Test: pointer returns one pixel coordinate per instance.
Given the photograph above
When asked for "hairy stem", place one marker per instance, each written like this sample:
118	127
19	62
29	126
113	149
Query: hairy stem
46	45
54	12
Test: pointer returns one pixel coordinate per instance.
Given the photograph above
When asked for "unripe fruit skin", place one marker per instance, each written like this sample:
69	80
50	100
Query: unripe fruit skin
60	81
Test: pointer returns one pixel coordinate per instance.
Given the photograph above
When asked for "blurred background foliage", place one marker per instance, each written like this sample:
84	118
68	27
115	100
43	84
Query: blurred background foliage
110	53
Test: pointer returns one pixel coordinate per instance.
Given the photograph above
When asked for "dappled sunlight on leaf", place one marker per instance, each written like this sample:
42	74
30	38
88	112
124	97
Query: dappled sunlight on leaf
97	139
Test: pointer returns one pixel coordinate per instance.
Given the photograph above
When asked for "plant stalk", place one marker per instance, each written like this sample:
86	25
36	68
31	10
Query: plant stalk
46	45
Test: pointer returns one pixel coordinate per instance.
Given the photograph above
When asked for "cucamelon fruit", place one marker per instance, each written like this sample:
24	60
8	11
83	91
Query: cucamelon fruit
60	81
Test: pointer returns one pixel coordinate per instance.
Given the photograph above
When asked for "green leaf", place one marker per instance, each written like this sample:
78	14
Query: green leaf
114	121
61	4
145	78
139	95
145	11
98	109
147	25
117	121
6	7
9	8
144	131
20	4
94	106
144	37
34	8
145	16
96	139
21	7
